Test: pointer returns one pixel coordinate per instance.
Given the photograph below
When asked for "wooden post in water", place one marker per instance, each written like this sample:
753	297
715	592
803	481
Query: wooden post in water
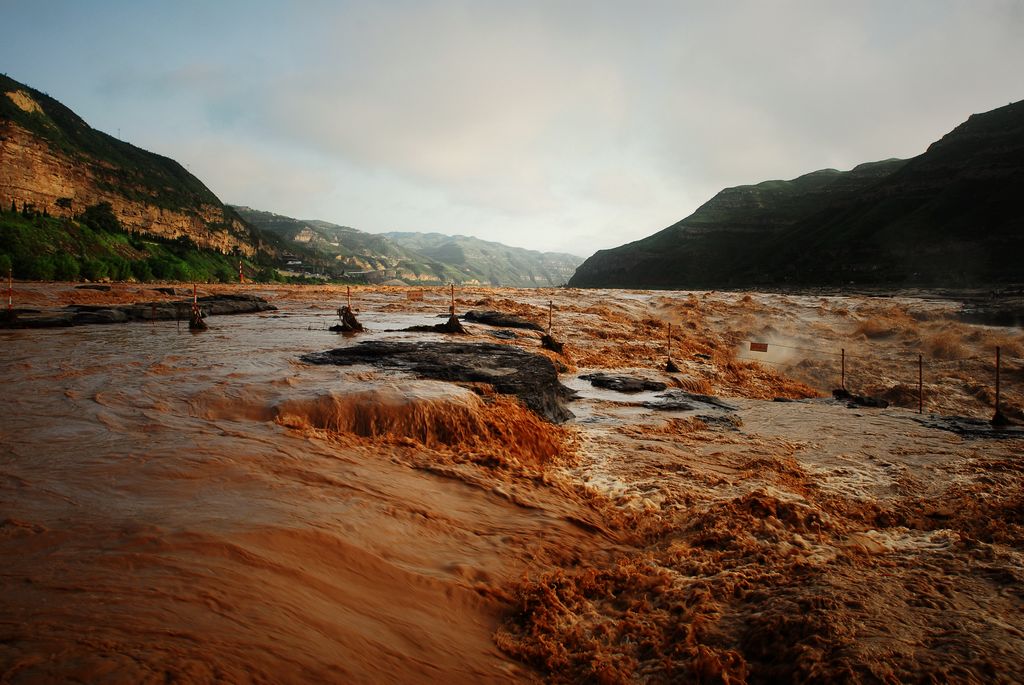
452	308
551	310
670	365
842	378
348	296
920	384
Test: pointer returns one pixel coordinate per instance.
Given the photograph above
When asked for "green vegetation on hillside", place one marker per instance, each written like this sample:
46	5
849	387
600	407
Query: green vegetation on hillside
95	247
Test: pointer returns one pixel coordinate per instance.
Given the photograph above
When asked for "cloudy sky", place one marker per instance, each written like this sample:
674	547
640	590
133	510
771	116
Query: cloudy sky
568	126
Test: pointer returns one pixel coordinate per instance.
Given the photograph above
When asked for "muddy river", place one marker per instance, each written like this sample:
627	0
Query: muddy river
179	507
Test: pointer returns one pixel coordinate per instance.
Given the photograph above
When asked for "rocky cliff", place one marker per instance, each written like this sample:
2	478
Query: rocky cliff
947	217
50	158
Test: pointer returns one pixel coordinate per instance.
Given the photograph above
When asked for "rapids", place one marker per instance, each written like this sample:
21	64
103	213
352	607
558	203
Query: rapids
208	508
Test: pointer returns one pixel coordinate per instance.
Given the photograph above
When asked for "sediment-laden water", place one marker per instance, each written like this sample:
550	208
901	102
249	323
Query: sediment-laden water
207	507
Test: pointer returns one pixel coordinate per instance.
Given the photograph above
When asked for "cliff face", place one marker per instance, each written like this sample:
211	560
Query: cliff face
947	217
719	243
53	160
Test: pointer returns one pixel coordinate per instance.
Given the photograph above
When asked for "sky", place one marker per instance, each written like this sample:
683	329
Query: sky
551	125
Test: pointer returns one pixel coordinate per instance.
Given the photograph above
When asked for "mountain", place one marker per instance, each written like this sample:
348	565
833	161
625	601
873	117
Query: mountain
53	161
427	258
950	216
490	262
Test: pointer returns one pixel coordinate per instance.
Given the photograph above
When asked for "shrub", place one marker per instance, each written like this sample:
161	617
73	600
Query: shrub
118	268
141	271
66	267
225	274
95	269
39	268
5	265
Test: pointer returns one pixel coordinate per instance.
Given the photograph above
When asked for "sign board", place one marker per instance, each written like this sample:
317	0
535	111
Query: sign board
758	347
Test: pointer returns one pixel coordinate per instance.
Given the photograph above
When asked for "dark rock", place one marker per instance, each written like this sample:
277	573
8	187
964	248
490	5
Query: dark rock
701	355
501	320
168	291
510	370
670	366
549	343
106	315
93	286
855	401
452	326
679	400
504	335
971	428
618	383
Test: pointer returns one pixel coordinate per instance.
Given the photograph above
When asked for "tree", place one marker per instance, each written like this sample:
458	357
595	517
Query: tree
101	217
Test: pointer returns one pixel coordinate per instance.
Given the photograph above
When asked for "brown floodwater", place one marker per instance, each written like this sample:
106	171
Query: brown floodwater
208	508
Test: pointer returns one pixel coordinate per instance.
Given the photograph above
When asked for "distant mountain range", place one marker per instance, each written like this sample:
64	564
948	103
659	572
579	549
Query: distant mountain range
951	216
413	257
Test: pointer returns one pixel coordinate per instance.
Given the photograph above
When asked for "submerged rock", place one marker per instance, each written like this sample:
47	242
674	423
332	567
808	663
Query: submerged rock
549	343
678	400
854	401
971	428
451	326
500	320
509	370
621	383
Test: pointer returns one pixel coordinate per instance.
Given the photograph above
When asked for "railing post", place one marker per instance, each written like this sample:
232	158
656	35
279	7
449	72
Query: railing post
998	418
920	384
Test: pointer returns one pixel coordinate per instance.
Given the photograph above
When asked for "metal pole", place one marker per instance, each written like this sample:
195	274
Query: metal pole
348	296
453	300
842	382
920	384
195	296
669	342
551	309
997	380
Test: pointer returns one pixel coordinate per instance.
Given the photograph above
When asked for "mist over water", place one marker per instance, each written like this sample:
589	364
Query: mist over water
209	508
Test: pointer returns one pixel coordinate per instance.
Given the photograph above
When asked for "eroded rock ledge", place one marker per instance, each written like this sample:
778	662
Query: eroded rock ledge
509	370
80	315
